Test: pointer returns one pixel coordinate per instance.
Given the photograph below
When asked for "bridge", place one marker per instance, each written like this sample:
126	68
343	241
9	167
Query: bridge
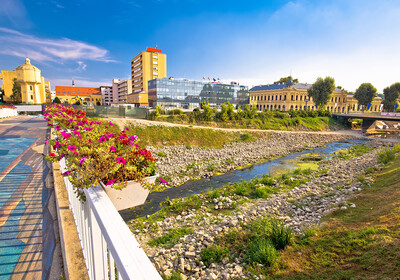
369	118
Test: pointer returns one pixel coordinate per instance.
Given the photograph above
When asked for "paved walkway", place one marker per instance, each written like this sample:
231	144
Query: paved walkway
27	216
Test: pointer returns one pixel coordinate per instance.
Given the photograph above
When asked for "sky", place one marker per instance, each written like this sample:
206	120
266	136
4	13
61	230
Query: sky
250	42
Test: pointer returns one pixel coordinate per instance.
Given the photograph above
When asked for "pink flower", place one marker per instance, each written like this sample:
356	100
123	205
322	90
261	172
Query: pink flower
82	160
57	145
66	173
162	181
102	139
110	182
52	154
88	128
110	123
121	160
112	149
133	137
80	123
66	135
127	129
71	148
76	132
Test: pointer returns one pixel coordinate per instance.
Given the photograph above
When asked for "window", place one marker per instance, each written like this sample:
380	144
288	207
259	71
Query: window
31	96
30	87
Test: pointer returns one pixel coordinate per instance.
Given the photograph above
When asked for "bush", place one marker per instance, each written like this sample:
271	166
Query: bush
280	235
214	253
246	137
262	251
386	155
169	239
175	112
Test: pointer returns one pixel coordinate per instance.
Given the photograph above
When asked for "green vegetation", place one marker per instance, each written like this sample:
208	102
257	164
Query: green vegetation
169	239
354	151
321	91
365	93
388	154
160	136
213	253
260	240
175	275
391	94
249	117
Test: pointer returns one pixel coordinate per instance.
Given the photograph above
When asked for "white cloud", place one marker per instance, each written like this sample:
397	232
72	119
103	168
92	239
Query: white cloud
81	66
19	44
15	12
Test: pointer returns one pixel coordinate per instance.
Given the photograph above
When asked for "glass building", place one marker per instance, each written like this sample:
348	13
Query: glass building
189	94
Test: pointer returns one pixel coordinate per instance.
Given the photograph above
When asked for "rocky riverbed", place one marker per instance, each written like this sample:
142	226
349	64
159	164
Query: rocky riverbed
300	207
181	163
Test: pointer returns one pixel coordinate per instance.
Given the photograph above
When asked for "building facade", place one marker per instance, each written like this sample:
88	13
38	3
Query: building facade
114	86
189	94
294	96
34	89
83	95
106	95
124	90
148	65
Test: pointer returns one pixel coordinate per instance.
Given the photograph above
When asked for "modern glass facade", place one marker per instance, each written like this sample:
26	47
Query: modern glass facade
188	94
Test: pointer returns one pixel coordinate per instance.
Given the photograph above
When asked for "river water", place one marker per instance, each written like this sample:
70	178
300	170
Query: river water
288	163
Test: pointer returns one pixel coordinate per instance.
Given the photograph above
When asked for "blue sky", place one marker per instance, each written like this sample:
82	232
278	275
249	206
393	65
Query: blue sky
252	42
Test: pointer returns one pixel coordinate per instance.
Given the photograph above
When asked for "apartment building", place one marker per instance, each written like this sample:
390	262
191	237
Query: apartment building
146	66
106	94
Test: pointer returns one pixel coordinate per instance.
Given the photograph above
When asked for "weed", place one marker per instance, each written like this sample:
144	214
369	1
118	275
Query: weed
214	194
214	253
169	239
175	275
280	235
210	167
161	154
188	146
386	155
246	137
262	251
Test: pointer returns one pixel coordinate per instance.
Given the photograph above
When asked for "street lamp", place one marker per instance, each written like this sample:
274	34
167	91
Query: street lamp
306	100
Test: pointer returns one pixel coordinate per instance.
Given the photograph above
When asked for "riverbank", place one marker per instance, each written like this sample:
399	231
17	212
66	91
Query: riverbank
178	164
198	227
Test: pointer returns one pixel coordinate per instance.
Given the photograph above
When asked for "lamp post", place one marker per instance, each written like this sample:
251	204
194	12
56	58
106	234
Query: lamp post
306	100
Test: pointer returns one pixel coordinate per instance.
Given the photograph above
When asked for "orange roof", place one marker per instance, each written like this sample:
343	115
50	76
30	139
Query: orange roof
77	91
153	50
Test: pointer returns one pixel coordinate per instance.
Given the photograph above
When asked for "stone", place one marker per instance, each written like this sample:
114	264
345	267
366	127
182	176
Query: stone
238	269
190	255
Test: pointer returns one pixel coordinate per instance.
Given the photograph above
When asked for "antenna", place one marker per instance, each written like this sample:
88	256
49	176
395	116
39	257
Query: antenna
73	82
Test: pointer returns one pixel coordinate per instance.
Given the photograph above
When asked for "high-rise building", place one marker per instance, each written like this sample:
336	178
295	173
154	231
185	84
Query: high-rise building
106	94
34	89
146	66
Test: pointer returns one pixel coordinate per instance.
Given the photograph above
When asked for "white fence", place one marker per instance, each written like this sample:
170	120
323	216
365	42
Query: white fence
8	112
29	108
110	249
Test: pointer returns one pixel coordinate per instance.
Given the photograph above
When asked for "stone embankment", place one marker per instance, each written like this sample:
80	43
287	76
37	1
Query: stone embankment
300	207
181	163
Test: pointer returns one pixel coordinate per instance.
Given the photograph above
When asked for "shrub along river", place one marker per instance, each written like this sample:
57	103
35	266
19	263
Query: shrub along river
274	166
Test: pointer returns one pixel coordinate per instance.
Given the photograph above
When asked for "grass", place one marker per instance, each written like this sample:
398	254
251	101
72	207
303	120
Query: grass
359	243
275	123
169	239
354	151
160	136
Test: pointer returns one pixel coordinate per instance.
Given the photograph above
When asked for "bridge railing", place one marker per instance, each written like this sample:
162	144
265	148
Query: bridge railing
110	249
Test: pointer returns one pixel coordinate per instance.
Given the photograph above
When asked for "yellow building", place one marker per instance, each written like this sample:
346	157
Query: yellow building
146	66
294	96
34	89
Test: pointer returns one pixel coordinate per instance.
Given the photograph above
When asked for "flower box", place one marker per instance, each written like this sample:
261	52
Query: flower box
133	195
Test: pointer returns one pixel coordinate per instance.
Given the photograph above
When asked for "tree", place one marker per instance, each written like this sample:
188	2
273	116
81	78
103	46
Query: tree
56	100
286	79
321	91
16	96
391	94
365	93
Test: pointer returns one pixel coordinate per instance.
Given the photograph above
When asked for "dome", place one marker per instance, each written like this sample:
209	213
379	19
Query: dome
27	66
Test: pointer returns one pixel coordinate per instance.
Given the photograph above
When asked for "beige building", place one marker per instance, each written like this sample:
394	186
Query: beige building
146	66
124	90
34	89
294	96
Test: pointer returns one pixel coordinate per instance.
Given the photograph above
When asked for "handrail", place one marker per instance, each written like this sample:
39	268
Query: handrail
109	247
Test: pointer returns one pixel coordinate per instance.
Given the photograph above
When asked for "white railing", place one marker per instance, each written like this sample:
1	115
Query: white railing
8	112
110	249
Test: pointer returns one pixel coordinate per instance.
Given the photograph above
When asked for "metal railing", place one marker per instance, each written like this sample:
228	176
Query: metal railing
110	249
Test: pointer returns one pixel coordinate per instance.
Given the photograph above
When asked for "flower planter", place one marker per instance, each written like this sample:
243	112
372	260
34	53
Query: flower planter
133	195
